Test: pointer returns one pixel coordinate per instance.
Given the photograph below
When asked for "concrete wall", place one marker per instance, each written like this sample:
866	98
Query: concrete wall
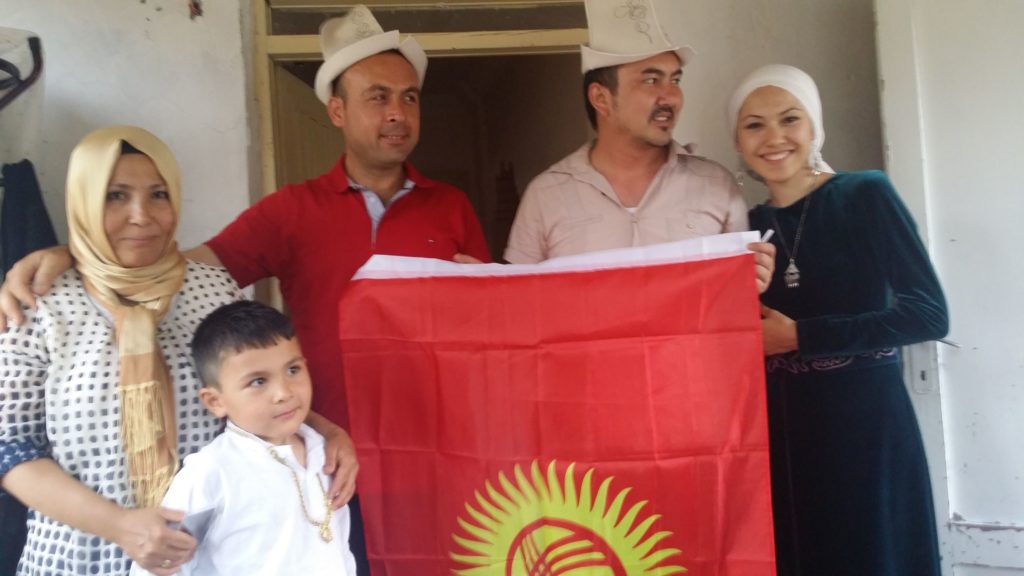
952	100
144	62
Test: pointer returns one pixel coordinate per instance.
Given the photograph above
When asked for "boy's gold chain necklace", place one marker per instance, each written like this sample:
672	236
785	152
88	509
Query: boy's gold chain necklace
325	524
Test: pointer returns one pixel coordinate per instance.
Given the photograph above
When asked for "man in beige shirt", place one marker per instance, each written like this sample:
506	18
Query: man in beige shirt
633	185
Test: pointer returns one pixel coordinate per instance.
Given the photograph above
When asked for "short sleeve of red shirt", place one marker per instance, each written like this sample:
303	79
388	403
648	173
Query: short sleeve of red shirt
255	245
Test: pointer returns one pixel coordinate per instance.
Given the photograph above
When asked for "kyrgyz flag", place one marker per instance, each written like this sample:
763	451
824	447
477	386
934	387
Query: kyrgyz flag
600	415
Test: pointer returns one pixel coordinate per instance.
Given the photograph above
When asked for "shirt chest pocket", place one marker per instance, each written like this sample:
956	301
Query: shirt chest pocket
574	235
693	223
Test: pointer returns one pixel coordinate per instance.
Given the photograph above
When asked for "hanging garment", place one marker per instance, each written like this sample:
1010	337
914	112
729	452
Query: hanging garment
21	69
24	224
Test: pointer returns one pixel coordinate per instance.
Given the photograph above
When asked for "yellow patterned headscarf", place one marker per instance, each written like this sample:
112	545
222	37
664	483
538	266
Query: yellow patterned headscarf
137	298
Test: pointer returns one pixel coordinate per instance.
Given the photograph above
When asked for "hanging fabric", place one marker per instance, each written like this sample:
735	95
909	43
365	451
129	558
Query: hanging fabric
24	223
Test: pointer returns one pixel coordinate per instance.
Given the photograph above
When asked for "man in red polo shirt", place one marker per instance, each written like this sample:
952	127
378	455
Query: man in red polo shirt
313	236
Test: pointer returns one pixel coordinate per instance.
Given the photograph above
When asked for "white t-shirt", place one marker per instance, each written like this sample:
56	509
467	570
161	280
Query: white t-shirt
258	526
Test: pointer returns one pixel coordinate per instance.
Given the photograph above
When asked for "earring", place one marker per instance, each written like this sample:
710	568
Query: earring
816	162
741	176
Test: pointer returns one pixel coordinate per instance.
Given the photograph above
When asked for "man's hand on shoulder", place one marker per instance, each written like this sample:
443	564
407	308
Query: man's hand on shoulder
31	276
339	458
465	259
341	463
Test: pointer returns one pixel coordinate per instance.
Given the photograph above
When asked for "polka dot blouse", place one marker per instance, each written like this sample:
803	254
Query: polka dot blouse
59	400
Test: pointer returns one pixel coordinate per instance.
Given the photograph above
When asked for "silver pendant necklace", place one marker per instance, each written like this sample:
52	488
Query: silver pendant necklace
791	275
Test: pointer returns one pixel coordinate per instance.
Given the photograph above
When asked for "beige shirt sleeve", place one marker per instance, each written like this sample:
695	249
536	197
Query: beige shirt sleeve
737	220
527	243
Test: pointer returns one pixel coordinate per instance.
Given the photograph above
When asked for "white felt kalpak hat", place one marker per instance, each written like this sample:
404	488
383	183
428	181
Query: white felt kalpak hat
625	31
354	37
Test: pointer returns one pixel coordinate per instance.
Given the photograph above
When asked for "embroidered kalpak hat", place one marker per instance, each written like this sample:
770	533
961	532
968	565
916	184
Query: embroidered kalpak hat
357	36
625	31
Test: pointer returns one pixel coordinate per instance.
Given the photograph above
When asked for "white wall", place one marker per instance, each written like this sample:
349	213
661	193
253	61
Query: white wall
972	86
831	40
144	62
953	106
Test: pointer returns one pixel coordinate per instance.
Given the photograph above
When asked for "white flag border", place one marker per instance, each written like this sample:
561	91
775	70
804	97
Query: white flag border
695	249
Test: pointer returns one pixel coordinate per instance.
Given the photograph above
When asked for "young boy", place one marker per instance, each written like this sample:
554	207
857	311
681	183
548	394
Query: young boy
262	478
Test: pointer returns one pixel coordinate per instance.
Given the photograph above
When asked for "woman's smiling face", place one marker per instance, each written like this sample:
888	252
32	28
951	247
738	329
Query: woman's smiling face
774	134
138	217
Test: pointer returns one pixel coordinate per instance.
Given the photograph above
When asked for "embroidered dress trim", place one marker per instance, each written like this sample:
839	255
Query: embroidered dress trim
794	364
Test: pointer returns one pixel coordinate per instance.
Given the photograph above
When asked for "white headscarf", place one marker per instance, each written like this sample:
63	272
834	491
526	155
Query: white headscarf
797	83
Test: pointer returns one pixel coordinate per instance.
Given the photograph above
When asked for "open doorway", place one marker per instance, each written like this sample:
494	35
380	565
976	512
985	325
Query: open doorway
489	125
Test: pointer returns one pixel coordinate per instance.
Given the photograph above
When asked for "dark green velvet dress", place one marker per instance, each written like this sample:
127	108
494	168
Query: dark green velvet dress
850	486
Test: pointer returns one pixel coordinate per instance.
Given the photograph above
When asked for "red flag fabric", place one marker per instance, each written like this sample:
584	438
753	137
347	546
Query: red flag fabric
560	420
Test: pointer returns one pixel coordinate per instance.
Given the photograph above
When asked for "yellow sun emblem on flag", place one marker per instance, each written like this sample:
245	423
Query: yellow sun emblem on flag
543	526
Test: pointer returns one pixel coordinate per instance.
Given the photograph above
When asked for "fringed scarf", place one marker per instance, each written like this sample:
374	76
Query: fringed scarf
137	298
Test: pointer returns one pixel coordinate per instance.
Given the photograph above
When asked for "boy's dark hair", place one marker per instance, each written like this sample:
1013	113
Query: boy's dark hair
235	328
607	77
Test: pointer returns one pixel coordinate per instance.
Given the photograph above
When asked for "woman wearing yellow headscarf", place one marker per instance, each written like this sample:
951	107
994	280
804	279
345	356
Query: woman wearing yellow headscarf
98	400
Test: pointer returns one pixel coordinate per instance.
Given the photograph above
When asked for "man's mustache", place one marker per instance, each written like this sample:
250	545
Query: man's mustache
659	110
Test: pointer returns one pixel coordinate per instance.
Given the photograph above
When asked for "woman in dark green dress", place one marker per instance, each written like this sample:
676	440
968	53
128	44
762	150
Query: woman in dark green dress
850	486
